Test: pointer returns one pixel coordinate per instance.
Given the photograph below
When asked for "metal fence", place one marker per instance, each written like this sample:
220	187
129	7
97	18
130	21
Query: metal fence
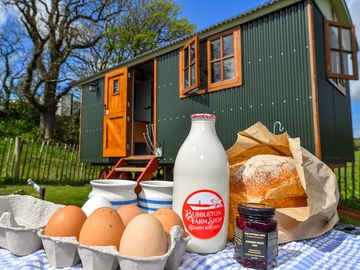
349	179
43	161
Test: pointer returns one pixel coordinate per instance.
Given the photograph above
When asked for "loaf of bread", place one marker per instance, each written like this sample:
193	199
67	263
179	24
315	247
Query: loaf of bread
268	179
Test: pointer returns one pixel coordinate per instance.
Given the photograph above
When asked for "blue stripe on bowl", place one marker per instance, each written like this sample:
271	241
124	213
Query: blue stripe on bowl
148	208
155	201
123	202
154	205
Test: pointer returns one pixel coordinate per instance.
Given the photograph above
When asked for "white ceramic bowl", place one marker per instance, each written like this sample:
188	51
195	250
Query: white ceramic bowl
117	192
155	195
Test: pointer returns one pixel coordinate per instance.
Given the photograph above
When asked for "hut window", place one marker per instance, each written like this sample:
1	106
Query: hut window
224	62
341	61
189	67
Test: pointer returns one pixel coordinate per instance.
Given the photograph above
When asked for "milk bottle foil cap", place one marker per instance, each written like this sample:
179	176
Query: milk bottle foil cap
203	116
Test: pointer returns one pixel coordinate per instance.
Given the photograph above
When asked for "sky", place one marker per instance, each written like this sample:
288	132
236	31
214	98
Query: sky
214	11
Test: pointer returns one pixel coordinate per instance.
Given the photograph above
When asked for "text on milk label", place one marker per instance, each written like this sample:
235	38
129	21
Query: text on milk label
203	213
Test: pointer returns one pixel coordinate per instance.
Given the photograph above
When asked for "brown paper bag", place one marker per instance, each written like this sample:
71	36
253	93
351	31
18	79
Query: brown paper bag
318	180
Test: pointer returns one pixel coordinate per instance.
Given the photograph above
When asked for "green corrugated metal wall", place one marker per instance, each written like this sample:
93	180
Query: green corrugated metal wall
334	108
276	86
92	125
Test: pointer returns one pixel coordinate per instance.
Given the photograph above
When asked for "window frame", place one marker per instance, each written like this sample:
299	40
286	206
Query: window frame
182	90
113	87
223	84
328	50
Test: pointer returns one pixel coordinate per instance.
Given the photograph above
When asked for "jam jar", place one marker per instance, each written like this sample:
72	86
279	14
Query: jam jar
256	237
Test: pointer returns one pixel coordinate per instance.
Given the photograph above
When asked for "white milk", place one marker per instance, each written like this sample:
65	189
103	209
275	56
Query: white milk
201	186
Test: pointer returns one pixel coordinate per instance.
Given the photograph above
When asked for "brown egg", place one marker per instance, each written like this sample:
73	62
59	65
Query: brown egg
67	221
168	218
103	227
143	237
128	212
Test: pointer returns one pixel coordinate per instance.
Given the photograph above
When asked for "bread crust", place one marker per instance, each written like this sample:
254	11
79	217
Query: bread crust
265	177
269	179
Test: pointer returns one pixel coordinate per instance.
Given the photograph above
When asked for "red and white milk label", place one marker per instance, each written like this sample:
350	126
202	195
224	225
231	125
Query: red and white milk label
203	213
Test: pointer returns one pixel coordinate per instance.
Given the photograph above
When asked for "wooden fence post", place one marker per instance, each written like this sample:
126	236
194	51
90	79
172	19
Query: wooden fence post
81	171
17	157
40	158
58	163
30	158
3	156
339	181
24	159
33	156
85	171
63	162
93	168
45	158
71	160
7	158
346	190
50	164
75	165
353	179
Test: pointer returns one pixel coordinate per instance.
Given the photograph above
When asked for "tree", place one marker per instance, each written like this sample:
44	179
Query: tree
56	29
144	26
85	62
68	39
11	65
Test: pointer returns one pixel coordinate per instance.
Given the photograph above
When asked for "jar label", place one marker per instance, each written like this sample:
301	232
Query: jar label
203	213
256	245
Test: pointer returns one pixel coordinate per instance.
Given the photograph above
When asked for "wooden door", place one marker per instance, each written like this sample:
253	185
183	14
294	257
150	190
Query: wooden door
115	133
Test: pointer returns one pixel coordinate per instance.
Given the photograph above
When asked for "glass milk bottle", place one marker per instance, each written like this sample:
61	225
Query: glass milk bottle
201	186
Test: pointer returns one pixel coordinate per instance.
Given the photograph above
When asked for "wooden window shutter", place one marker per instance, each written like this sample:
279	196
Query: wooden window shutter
189	67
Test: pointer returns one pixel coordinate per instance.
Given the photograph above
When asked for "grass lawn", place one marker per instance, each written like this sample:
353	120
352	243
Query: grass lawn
77	195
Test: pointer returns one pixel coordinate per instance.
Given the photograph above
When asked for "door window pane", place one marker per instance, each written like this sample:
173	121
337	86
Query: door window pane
216	72
334	37
186	77
192	74
186	57
229	69
348	64
192	53
228	45
116	86
346	39
335	62
215	49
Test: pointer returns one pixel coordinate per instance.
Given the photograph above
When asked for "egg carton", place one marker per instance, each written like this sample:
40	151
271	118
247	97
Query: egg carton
67	251
109	258
20	219
60	251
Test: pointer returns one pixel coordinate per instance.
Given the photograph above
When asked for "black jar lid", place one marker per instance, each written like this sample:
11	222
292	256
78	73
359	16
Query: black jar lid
256	210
